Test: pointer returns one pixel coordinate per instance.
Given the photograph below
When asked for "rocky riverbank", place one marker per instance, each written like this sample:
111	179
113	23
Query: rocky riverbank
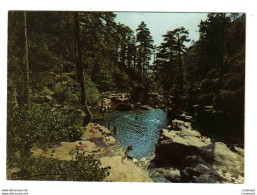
124	102
185	156
100	142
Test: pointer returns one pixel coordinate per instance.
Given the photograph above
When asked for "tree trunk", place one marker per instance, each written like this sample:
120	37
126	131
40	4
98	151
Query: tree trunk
79	67
170	67
27	60
61	73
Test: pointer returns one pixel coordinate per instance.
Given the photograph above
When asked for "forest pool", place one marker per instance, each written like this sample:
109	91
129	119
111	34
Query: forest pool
137	128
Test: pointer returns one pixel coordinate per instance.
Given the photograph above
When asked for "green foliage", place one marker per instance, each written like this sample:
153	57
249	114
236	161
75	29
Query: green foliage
140	92
43	79
144	48
92	93
206	83
121	80
81	168
104	80
40	126
169	58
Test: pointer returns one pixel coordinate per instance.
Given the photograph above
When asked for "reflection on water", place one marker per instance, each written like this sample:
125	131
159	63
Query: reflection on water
137	128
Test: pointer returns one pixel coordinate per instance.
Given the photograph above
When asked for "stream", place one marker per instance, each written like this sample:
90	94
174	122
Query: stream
137	128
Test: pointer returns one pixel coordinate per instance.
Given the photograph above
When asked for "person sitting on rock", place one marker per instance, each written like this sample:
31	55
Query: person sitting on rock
129	148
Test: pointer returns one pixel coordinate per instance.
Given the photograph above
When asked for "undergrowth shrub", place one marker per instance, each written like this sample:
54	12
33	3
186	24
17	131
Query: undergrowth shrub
81	168
43	127
40	126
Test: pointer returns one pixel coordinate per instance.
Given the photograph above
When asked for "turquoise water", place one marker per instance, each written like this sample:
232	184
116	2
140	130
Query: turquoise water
138	128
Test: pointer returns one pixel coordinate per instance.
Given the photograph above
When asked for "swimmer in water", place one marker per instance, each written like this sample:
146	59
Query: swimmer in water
114	130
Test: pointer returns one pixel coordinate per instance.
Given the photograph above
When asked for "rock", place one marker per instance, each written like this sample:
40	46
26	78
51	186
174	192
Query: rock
110	140
99	141
178	124
64	150
193	174
201	168
188	125
189	140
208	107
170	174
193	159
146	107
224	159
87	132
169	134
207	178
239	151
145	162
189	118
135	160
196	156
196	106
123	170
160	179
119	97
197	170
106	103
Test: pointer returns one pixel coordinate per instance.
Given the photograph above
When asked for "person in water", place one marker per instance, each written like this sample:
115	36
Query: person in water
114	130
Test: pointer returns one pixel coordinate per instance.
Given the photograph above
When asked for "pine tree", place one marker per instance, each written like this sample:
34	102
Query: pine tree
144	48
80	71
169	58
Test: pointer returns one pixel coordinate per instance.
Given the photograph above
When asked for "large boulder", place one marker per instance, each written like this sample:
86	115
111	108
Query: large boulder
124	170
198	158
170	174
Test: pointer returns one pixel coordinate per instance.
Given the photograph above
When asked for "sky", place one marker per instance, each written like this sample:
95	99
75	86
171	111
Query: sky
160	23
